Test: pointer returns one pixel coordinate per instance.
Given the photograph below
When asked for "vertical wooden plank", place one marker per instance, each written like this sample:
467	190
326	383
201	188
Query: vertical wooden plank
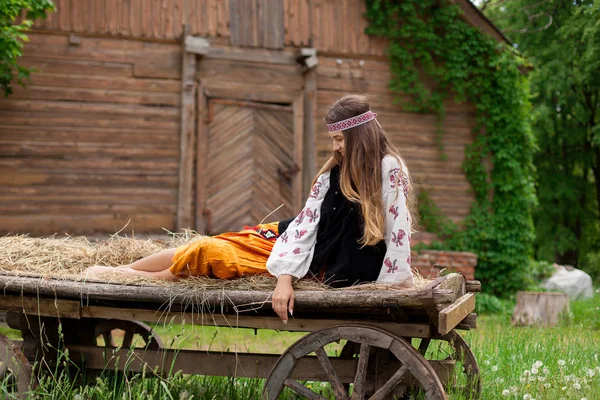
145	18
310	138
112	16
234	22
354	20
286	23
298	181
64	15
124	18
274	24
188	137
51	21
135	18
297	25
157	14
162	17
76	13
168	12
338	16
222	18
363	39
244	17
343	33
177	18
190	18
198	17
263	24
315	29
328	21
99	16
201	152
305	24
212	17
254	24
89	21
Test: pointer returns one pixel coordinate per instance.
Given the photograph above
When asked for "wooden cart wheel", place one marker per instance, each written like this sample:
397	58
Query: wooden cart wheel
410	362
15	370
131	328
467	379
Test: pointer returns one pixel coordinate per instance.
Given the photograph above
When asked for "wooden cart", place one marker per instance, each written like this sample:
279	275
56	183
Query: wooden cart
385	334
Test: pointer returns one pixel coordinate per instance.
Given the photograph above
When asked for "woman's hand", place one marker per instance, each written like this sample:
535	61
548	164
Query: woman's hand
283	297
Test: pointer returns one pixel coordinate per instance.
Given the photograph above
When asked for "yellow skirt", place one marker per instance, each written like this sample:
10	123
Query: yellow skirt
227	256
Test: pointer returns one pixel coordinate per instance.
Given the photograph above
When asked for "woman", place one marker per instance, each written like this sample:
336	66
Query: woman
355	226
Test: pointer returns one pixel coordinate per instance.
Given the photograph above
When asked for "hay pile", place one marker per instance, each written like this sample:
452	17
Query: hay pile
67	257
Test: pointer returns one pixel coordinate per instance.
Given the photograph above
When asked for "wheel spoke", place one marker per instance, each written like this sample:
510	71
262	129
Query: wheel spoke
108	339
424	345
127	339
3	370
387	387
336	385
361	373
302	390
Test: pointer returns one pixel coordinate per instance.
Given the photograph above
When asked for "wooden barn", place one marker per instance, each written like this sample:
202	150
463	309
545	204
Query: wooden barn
202	114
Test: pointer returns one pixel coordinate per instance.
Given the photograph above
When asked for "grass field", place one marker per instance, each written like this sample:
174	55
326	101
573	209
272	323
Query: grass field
516	363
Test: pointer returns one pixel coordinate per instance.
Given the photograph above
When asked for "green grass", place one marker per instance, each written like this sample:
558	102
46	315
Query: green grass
562	362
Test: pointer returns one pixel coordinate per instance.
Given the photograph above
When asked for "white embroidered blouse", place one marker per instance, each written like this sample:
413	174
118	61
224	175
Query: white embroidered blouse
293	251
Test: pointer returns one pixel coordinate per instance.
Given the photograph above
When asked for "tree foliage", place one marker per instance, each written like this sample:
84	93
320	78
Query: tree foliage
430	42
562	39
12	38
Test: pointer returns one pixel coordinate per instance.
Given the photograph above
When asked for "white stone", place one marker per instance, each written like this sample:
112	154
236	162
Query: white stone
572	281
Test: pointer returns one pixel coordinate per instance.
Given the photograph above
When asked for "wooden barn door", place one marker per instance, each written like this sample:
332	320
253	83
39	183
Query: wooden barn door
250	164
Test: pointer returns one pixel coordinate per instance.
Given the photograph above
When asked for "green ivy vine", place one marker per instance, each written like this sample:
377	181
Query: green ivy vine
430	42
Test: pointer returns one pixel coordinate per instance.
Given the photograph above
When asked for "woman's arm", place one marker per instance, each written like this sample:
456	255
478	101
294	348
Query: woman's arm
396	264
293	250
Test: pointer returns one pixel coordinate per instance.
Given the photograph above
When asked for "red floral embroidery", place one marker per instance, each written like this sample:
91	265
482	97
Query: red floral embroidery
312	215
283	254
393	176
408	259
297	250
284	237
300	218
314	192
301	233
391	267
399	177
394	211
398	238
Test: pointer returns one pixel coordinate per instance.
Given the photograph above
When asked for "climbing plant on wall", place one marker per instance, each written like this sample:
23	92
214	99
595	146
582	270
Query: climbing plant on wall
12	37
428	39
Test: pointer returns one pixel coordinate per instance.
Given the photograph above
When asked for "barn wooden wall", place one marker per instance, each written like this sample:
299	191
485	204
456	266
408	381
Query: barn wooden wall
94	139
413	134
334	26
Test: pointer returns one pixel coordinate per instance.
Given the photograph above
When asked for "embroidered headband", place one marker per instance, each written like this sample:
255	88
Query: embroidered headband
351	122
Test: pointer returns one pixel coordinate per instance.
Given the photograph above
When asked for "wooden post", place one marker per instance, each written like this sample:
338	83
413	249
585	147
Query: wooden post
310	150
308	57
187	138
297	185
539	308
191	48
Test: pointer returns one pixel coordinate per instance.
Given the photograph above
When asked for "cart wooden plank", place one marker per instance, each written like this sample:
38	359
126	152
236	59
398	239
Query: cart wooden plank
456	312
172	295
241	365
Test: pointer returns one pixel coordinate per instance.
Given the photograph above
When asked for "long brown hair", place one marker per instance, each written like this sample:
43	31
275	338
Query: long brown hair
360	172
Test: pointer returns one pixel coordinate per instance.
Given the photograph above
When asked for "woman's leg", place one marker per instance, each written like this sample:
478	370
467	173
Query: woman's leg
154	263
154	266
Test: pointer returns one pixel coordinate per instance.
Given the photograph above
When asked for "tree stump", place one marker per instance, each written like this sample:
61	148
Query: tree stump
539	308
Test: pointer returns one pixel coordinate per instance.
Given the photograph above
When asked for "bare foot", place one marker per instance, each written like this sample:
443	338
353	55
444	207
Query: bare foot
96	270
